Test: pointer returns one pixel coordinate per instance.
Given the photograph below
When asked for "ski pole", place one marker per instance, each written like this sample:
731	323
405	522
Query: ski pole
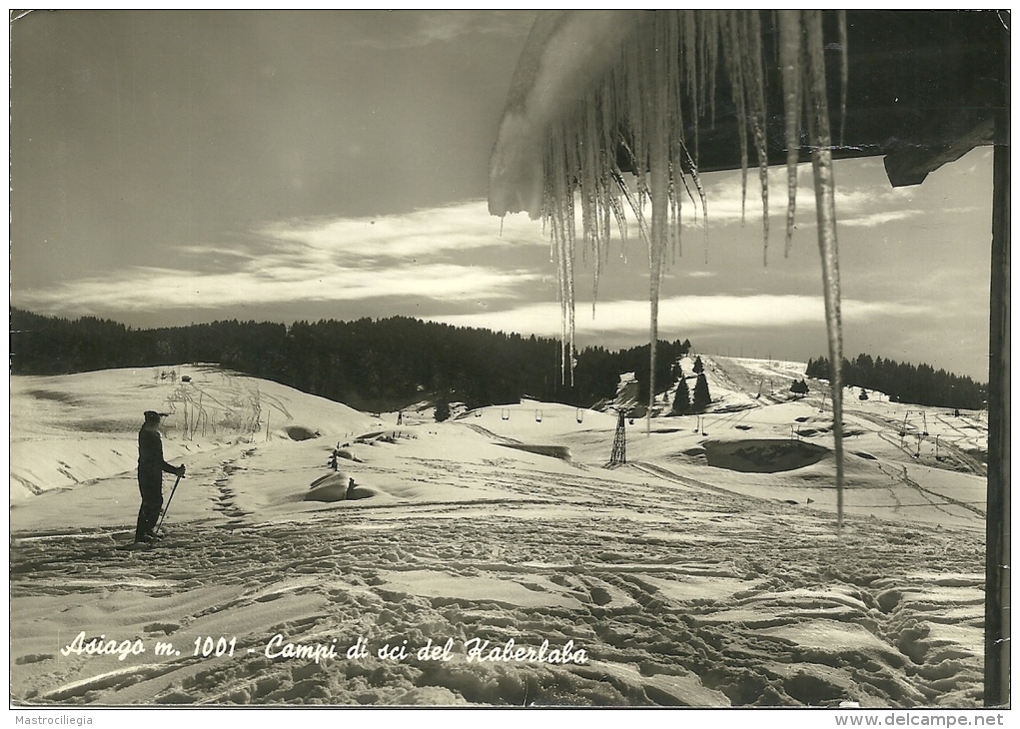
167	507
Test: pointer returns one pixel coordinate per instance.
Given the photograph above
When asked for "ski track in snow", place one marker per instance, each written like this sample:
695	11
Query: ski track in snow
681	591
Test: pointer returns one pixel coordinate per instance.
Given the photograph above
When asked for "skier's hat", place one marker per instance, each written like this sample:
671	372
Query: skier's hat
151	416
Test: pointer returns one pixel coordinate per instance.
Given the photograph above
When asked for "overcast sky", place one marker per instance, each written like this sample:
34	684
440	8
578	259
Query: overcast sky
182	166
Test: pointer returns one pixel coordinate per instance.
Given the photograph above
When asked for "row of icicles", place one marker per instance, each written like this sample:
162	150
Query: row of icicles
663	84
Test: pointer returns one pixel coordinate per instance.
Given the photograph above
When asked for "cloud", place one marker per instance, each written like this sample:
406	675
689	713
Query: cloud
423	28
864	206
682	313
150	289
419	254
415	235
875	219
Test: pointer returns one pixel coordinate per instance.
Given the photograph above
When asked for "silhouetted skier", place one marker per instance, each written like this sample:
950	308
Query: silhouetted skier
150	476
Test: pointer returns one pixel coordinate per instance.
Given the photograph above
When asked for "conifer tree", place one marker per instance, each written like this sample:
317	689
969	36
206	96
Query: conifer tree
702	398
682	399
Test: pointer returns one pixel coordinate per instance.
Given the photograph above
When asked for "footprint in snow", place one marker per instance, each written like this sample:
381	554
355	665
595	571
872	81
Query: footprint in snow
33	658
165	628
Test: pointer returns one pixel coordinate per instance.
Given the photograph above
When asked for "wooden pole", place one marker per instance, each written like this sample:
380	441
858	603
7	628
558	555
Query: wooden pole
997	524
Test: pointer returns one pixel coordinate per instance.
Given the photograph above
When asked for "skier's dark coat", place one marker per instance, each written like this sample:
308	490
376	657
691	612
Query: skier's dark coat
150	478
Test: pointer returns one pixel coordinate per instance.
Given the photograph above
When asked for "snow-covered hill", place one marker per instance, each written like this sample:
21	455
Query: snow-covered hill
76	429
706	571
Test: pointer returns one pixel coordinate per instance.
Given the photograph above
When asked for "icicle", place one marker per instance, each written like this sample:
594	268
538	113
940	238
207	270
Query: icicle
704	200
790	63
635	205
658	156
588	169
619	213
695	86
675	120
821	158
664	81
711	34
558	190
732	47
755	79
675	214
701	24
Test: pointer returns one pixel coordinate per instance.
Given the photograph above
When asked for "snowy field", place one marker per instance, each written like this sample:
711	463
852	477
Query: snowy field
492	559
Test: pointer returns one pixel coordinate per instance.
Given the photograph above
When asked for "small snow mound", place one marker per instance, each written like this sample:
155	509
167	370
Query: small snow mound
553	451
299	432
103	425
763	455
361	492
380	436
332	487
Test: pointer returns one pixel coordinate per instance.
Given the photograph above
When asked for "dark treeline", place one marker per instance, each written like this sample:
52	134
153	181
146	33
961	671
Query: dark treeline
368	364
919	384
